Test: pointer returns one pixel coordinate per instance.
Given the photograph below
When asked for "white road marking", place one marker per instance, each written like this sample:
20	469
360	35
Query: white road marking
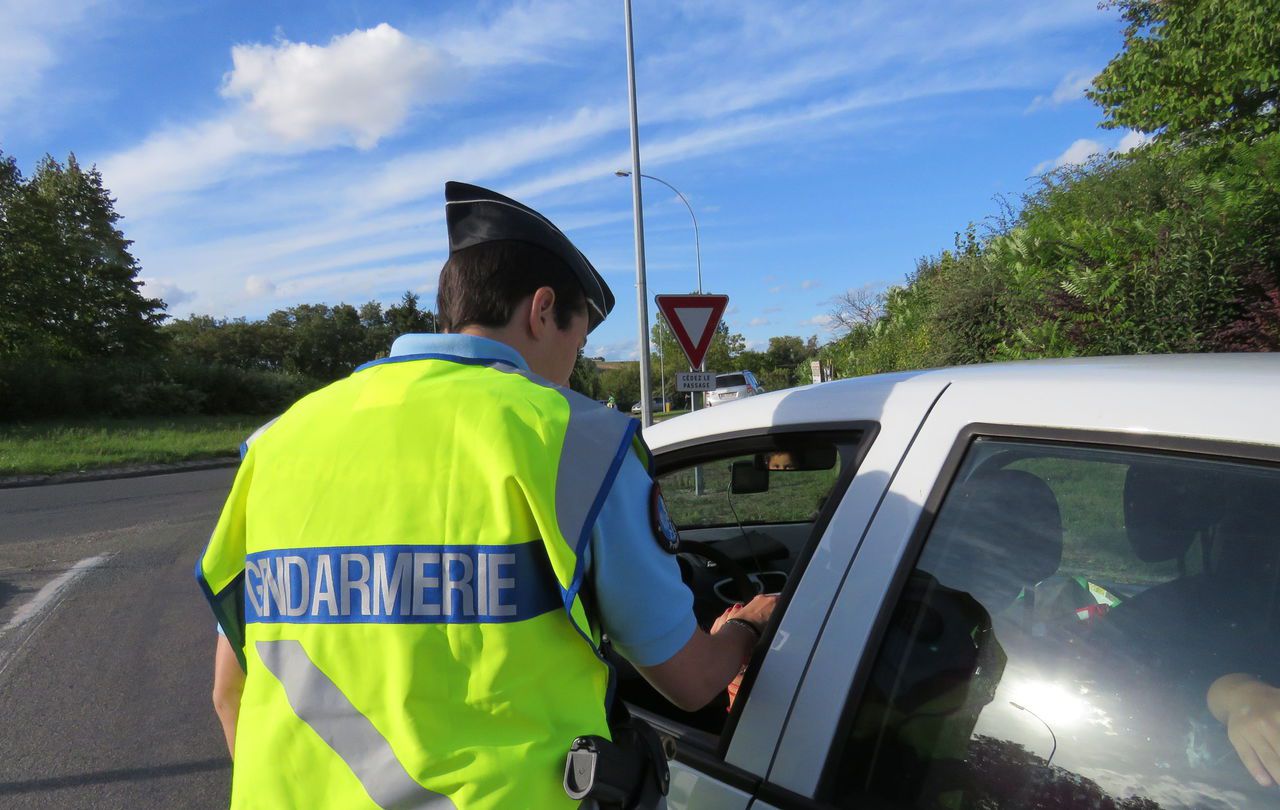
52	589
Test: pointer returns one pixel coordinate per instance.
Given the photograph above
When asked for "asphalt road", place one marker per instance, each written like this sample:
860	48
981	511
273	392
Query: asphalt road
104	690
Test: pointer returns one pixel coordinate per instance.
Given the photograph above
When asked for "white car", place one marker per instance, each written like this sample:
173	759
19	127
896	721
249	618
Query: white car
1002	586
733	385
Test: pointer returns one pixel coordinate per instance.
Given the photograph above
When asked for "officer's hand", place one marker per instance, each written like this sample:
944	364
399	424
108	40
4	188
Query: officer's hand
757	611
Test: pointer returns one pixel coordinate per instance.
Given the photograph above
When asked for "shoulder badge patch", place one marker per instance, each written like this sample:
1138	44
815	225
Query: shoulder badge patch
664	528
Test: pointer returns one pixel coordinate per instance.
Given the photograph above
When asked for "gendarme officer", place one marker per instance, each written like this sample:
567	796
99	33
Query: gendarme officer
401	564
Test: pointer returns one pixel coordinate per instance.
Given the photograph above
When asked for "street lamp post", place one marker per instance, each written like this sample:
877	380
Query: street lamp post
642	301
662	370
697	241
697	252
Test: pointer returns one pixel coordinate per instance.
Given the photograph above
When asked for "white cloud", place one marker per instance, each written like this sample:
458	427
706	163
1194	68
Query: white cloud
166	291
1084	149
823	321
1132	140
1078	152
758	322
531	31
257	286
32	33
286	98
1070	88
171	161
771	310
777	289
356	90
416	175
809	284
620	350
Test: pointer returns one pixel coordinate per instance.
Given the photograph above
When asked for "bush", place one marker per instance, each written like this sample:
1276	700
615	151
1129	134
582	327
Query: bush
1157	251
227	389
34	387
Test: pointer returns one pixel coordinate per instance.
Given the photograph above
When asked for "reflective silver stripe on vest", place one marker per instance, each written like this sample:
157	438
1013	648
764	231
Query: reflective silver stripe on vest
592	442
322	706
253	437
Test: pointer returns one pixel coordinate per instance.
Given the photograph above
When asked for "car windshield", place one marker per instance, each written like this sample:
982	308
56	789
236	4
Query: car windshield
729	380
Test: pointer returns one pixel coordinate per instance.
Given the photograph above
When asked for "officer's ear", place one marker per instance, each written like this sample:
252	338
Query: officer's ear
542	312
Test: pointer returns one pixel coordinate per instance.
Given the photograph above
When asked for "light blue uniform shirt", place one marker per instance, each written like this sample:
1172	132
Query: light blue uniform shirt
645	609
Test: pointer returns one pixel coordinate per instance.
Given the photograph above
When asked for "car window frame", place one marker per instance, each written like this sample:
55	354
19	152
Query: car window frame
1157	444
858	434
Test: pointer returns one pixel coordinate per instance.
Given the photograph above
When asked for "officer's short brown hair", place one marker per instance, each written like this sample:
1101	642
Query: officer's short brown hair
481	285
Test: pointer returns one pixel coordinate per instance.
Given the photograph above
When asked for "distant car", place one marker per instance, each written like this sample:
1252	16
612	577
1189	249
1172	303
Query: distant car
734	385
657	407
1001	586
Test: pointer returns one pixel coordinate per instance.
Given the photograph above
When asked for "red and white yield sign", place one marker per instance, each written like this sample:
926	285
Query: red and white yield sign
693	319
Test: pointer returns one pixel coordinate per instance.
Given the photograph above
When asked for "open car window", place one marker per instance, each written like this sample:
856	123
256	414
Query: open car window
704	495
748	511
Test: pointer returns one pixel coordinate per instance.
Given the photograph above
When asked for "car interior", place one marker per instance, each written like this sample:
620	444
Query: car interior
1136	577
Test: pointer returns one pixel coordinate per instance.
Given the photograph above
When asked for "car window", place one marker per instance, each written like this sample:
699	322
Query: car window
729	380
701	495
747	516
1056	641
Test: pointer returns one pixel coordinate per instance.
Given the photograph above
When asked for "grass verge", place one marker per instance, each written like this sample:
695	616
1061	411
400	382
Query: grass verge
39	448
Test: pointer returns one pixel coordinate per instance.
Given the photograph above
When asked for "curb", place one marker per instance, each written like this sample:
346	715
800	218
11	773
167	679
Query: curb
111	473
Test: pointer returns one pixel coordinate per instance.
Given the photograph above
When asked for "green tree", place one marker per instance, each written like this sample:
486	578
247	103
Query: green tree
724	350
585	378
406	317
70	285
1195	70
622	382
668	360
250	345
325	342
786	355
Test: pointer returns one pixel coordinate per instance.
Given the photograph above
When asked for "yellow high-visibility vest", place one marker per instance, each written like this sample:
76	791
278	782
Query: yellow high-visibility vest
405	550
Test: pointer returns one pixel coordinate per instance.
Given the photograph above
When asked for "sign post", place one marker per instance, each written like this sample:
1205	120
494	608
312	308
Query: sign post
693	320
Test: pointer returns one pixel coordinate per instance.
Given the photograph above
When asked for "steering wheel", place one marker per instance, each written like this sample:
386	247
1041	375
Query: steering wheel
743	588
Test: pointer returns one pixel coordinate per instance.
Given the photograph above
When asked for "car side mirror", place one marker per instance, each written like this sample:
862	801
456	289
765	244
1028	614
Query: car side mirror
746	478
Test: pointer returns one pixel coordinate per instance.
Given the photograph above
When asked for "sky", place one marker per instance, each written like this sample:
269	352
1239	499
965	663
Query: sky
270	153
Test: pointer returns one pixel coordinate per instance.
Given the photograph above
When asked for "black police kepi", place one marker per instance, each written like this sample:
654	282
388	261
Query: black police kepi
477	215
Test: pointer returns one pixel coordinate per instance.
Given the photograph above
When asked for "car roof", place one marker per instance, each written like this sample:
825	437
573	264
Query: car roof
1204	388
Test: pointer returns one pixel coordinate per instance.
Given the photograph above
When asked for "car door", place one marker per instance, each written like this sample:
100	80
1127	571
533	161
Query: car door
1042	603
722	766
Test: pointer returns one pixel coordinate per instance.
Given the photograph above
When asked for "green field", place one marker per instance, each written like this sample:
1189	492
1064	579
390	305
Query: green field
36	448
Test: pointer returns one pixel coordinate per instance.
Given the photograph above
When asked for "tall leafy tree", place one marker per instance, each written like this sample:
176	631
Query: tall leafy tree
1195	70
18	285
585	378
406	317
70	283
